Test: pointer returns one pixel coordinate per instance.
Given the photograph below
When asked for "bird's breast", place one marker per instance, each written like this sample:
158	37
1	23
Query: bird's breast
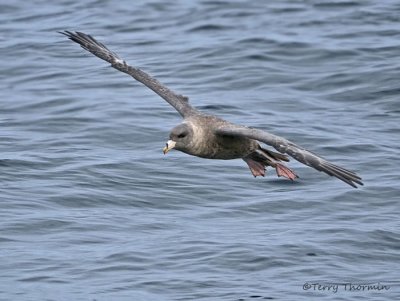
226	147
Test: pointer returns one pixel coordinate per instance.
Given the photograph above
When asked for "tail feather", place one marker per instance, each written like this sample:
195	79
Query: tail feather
274	155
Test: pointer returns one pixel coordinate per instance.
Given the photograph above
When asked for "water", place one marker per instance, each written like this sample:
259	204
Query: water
92	210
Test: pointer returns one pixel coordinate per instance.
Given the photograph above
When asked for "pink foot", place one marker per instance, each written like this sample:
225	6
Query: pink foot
283	171
256	168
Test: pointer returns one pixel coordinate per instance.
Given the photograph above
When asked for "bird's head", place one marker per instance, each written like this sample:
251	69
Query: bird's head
180	138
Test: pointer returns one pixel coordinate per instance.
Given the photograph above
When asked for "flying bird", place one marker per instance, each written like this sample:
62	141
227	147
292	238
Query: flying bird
208	136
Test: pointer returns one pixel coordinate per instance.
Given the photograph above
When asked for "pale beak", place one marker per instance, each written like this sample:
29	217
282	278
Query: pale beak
170	145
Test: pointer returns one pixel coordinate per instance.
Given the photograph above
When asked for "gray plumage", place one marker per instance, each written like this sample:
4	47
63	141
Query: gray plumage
208	136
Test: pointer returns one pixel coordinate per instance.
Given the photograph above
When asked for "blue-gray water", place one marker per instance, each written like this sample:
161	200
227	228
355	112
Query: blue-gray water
92	210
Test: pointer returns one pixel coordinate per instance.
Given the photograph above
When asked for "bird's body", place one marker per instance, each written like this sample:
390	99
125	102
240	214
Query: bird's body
207	144
208	136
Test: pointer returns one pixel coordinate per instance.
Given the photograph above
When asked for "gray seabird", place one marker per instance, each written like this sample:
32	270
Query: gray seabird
208	136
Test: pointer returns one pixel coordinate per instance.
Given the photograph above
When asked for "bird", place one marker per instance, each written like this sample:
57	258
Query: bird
208	136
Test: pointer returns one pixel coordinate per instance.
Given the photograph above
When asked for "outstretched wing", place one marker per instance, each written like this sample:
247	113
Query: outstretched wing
179	102
300	154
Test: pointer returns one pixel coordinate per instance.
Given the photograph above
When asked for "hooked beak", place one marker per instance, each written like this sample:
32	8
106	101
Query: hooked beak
170	145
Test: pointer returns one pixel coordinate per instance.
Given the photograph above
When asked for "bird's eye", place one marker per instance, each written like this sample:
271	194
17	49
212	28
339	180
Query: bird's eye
181	135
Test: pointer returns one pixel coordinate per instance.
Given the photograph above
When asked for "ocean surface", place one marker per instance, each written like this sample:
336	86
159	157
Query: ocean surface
91	209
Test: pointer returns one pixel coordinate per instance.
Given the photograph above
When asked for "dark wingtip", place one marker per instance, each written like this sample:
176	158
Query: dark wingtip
73	36
67	33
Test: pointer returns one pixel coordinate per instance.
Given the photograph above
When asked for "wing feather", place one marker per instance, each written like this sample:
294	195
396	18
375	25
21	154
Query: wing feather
87	42
297	152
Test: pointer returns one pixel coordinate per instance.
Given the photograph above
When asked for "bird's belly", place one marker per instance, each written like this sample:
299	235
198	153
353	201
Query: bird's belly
229	148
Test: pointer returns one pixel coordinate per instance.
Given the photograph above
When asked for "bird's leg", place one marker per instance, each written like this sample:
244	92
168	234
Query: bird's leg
283	171
256	168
